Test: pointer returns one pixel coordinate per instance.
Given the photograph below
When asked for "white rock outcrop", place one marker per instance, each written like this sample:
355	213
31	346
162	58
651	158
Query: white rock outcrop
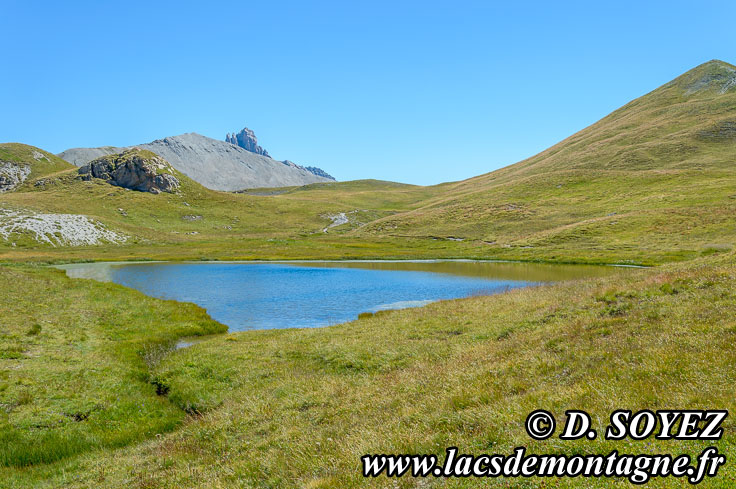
337	220
12	175
57	229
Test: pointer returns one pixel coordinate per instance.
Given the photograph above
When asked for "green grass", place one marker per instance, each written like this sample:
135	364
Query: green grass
297	408
91	394
647	218
75	360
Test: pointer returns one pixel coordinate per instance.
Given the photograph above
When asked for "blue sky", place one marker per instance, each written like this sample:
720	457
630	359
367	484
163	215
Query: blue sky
417	92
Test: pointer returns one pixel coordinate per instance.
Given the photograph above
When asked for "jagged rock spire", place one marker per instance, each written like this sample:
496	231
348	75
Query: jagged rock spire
247	140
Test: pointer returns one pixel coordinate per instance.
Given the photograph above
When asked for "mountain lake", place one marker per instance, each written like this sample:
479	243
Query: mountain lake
267	295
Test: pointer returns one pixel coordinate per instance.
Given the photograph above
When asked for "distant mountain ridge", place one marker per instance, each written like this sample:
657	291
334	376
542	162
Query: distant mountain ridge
317	171
218	165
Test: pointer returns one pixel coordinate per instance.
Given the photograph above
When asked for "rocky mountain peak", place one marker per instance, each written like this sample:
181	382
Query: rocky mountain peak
216	164
247	140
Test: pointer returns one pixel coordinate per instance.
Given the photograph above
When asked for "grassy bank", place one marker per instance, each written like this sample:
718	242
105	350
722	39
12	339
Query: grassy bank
297	408
75	360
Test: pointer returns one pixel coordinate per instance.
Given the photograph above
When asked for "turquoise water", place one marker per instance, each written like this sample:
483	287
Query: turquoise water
278	295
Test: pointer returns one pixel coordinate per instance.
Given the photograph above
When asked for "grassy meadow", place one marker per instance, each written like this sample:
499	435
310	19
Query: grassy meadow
297	408
93	392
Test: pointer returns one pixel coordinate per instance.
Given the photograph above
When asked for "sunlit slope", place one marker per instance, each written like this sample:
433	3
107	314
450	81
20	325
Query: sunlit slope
652	182
657	175
203	212
41	163
195	222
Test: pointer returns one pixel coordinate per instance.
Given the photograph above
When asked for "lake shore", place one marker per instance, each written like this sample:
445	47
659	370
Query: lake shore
259	294
496	358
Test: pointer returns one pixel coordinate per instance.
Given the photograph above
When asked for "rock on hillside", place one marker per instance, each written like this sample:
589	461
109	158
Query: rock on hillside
714	76
215	164
55	229
134	169
247	140
12	175
21	162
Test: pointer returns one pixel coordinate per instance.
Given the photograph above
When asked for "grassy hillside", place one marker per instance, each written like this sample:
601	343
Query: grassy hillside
297	408
655	178
652	182
42	163
199	223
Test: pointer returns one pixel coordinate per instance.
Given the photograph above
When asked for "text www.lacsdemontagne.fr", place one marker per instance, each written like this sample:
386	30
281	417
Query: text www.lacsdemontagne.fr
638	469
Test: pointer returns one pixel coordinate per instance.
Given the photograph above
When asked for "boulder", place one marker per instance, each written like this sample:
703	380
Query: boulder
134	169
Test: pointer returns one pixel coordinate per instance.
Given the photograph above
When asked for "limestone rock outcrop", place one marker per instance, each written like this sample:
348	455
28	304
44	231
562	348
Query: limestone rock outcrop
12	175
133	169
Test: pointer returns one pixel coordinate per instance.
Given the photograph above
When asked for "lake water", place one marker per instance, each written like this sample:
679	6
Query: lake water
309	294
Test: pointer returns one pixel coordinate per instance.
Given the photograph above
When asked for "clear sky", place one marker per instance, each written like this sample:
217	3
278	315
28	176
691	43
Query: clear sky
417	92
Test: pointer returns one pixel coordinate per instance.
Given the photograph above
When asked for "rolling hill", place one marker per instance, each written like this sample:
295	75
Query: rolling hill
654	181
657	174
20	163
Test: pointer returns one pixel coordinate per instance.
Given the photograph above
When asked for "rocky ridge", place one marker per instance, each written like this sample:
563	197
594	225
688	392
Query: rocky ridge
319	172
247	140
